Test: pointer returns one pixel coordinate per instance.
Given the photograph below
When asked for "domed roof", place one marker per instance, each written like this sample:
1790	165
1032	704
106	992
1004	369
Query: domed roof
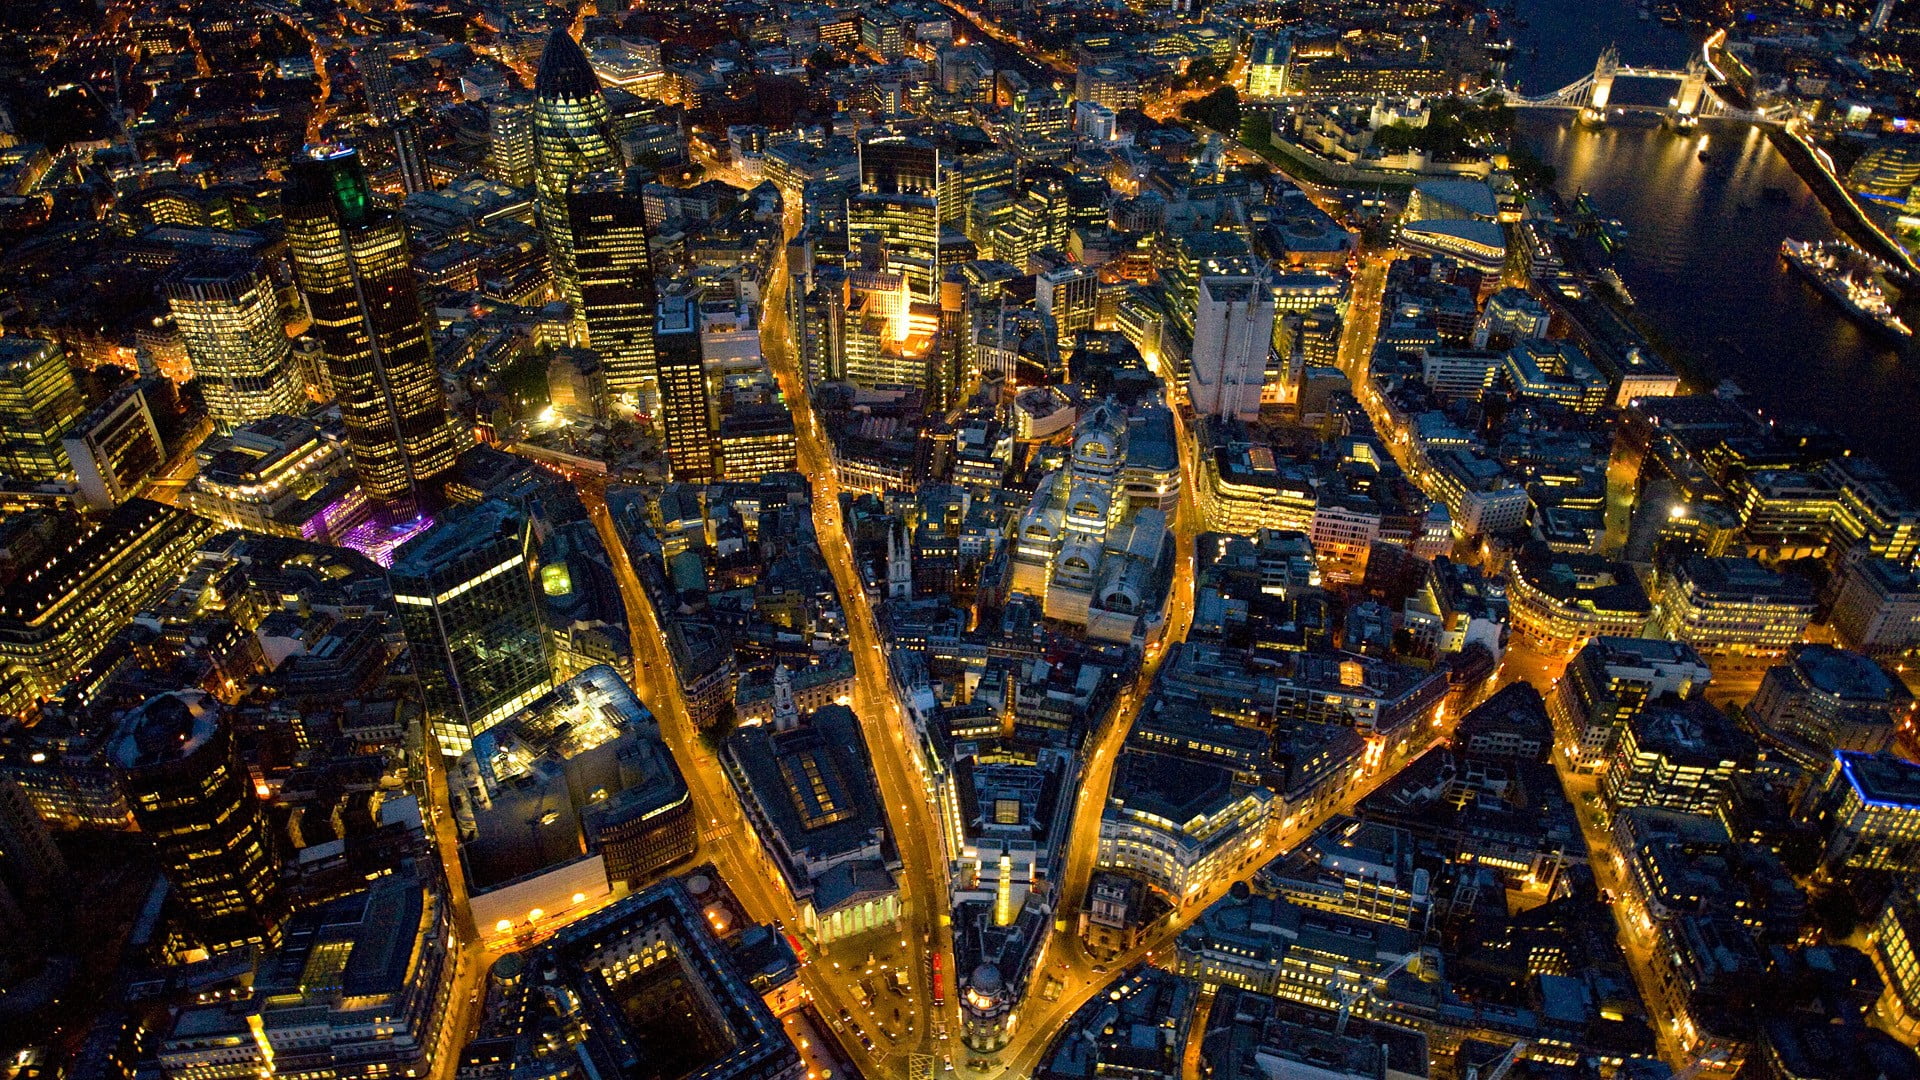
564	71
986	979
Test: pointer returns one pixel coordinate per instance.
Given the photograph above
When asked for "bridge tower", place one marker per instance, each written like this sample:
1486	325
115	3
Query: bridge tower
1693	93
1604	70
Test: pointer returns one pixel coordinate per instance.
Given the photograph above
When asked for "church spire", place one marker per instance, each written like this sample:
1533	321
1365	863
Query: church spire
786	714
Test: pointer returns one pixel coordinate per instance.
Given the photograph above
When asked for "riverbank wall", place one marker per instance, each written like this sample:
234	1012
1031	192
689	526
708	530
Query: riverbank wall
1846	211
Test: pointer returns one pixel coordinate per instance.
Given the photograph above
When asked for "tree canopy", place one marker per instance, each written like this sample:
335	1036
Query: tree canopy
1219	110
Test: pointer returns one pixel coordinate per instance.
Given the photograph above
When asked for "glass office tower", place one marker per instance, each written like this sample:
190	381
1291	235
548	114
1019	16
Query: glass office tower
572	135
686	410
190	793
354	265
40	401
614	271
229	321
473	620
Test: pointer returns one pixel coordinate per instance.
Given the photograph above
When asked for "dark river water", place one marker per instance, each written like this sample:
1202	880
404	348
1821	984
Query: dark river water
1702	259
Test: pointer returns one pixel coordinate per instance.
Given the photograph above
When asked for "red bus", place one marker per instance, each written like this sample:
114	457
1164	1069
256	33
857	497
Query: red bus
933	975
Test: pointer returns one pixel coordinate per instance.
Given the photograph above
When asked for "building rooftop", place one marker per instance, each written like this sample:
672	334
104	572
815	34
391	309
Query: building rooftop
1223	290
1618	651
1473	196
1588	581
482	523
1516	711
1847	675
1688	733
536	788
1175	789
1882	779
813	785
1150	439
1138	1029
165	728
29	597
1482	233
615	974
257	449
1268	926
360	946
1255	1037
1736	576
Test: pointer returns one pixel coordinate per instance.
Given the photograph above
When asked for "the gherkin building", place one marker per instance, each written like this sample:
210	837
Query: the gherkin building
572	135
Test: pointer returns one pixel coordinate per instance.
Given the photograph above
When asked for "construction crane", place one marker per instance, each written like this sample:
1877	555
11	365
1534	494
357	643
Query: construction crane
1348	995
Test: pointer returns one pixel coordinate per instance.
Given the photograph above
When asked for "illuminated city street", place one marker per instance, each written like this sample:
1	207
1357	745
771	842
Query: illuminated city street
646	540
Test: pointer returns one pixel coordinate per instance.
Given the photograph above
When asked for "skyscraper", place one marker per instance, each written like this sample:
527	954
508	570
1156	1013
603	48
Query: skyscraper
410	155
686	419
189	791
608	222
230	323
40	402
116	447
473	620
1232	331
904	230
892	164
510	157
572	134
375	68
354	266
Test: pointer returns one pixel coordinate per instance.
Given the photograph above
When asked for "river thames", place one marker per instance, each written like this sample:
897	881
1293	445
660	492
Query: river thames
1702	257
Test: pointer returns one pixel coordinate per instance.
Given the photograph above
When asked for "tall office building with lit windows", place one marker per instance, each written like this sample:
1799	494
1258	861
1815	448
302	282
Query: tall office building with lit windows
614	272
190	793
472	619
1233	332
510	157
893	164
375	68
902	233
230	324
1071	294
686	416
572	135
40	402
354	265
410	155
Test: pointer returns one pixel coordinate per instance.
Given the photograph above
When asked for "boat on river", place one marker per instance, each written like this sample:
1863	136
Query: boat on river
1850	278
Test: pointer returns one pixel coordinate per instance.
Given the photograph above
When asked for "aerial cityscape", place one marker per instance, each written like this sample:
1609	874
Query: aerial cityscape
959	540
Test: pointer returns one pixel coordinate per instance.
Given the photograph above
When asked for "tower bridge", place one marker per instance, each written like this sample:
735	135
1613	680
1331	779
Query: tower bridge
1694	97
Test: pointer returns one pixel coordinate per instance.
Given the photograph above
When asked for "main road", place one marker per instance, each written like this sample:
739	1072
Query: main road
830	976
